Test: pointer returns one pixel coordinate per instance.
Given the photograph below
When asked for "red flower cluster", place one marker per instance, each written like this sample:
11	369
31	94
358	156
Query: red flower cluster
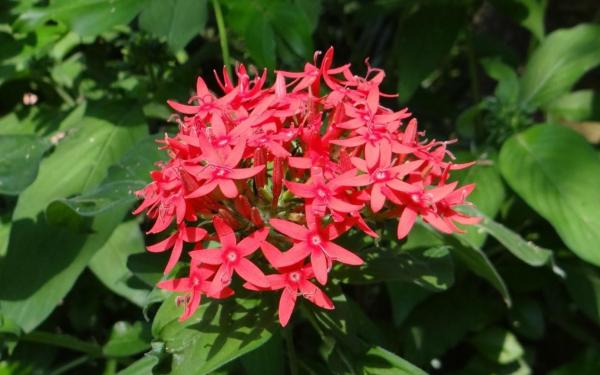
311	157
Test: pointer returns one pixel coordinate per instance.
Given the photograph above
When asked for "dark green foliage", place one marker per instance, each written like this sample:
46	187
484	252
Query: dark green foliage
83	86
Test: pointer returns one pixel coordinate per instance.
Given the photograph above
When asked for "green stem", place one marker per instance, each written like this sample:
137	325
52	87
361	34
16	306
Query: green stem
70	365
64	341
222	35
291	350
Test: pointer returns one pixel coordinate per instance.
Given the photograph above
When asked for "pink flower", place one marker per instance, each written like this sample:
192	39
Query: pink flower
193	287
231	257
316	242
175	241
295	281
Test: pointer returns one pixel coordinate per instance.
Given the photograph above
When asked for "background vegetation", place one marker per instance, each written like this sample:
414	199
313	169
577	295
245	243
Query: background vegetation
83	86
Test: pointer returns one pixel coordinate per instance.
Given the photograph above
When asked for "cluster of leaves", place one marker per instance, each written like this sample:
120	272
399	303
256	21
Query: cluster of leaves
84	85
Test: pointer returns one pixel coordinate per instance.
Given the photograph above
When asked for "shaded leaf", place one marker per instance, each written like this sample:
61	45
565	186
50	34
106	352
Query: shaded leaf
217	333
177	21
37	270
430	268
128	175
127	339
21	155
85	17
498	345
583	284
434	25
109	263
529	13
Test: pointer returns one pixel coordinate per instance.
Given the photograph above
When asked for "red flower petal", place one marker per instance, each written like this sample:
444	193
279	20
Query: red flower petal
286	306
224	232
342	255
290	229
251	273
406	222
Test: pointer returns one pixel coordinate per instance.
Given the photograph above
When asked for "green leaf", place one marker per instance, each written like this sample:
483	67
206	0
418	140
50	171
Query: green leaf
142	366
559	62
434	25
109	264
507	89
278	25
583	284
128	175
498	345
529	13
85	17
177	21
260	41
379	361
431	268
215	335
290	23
576	106
478	262
38	270
21	156
556	172
127	339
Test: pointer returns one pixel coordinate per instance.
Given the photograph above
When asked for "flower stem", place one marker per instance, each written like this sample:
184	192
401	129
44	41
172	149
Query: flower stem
291	350
222	35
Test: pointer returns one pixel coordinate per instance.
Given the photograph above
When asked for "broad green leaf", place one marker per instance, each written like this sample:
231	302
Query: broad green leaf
559	62
278	25
128	175
109	263
556	172
43	121
583	284
127	339
85	17
177	21
498	345
576	106
434	25
586	363
529	13
431	268
42	261
260	41
21	155
142	366
291	24
217	333
379	361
